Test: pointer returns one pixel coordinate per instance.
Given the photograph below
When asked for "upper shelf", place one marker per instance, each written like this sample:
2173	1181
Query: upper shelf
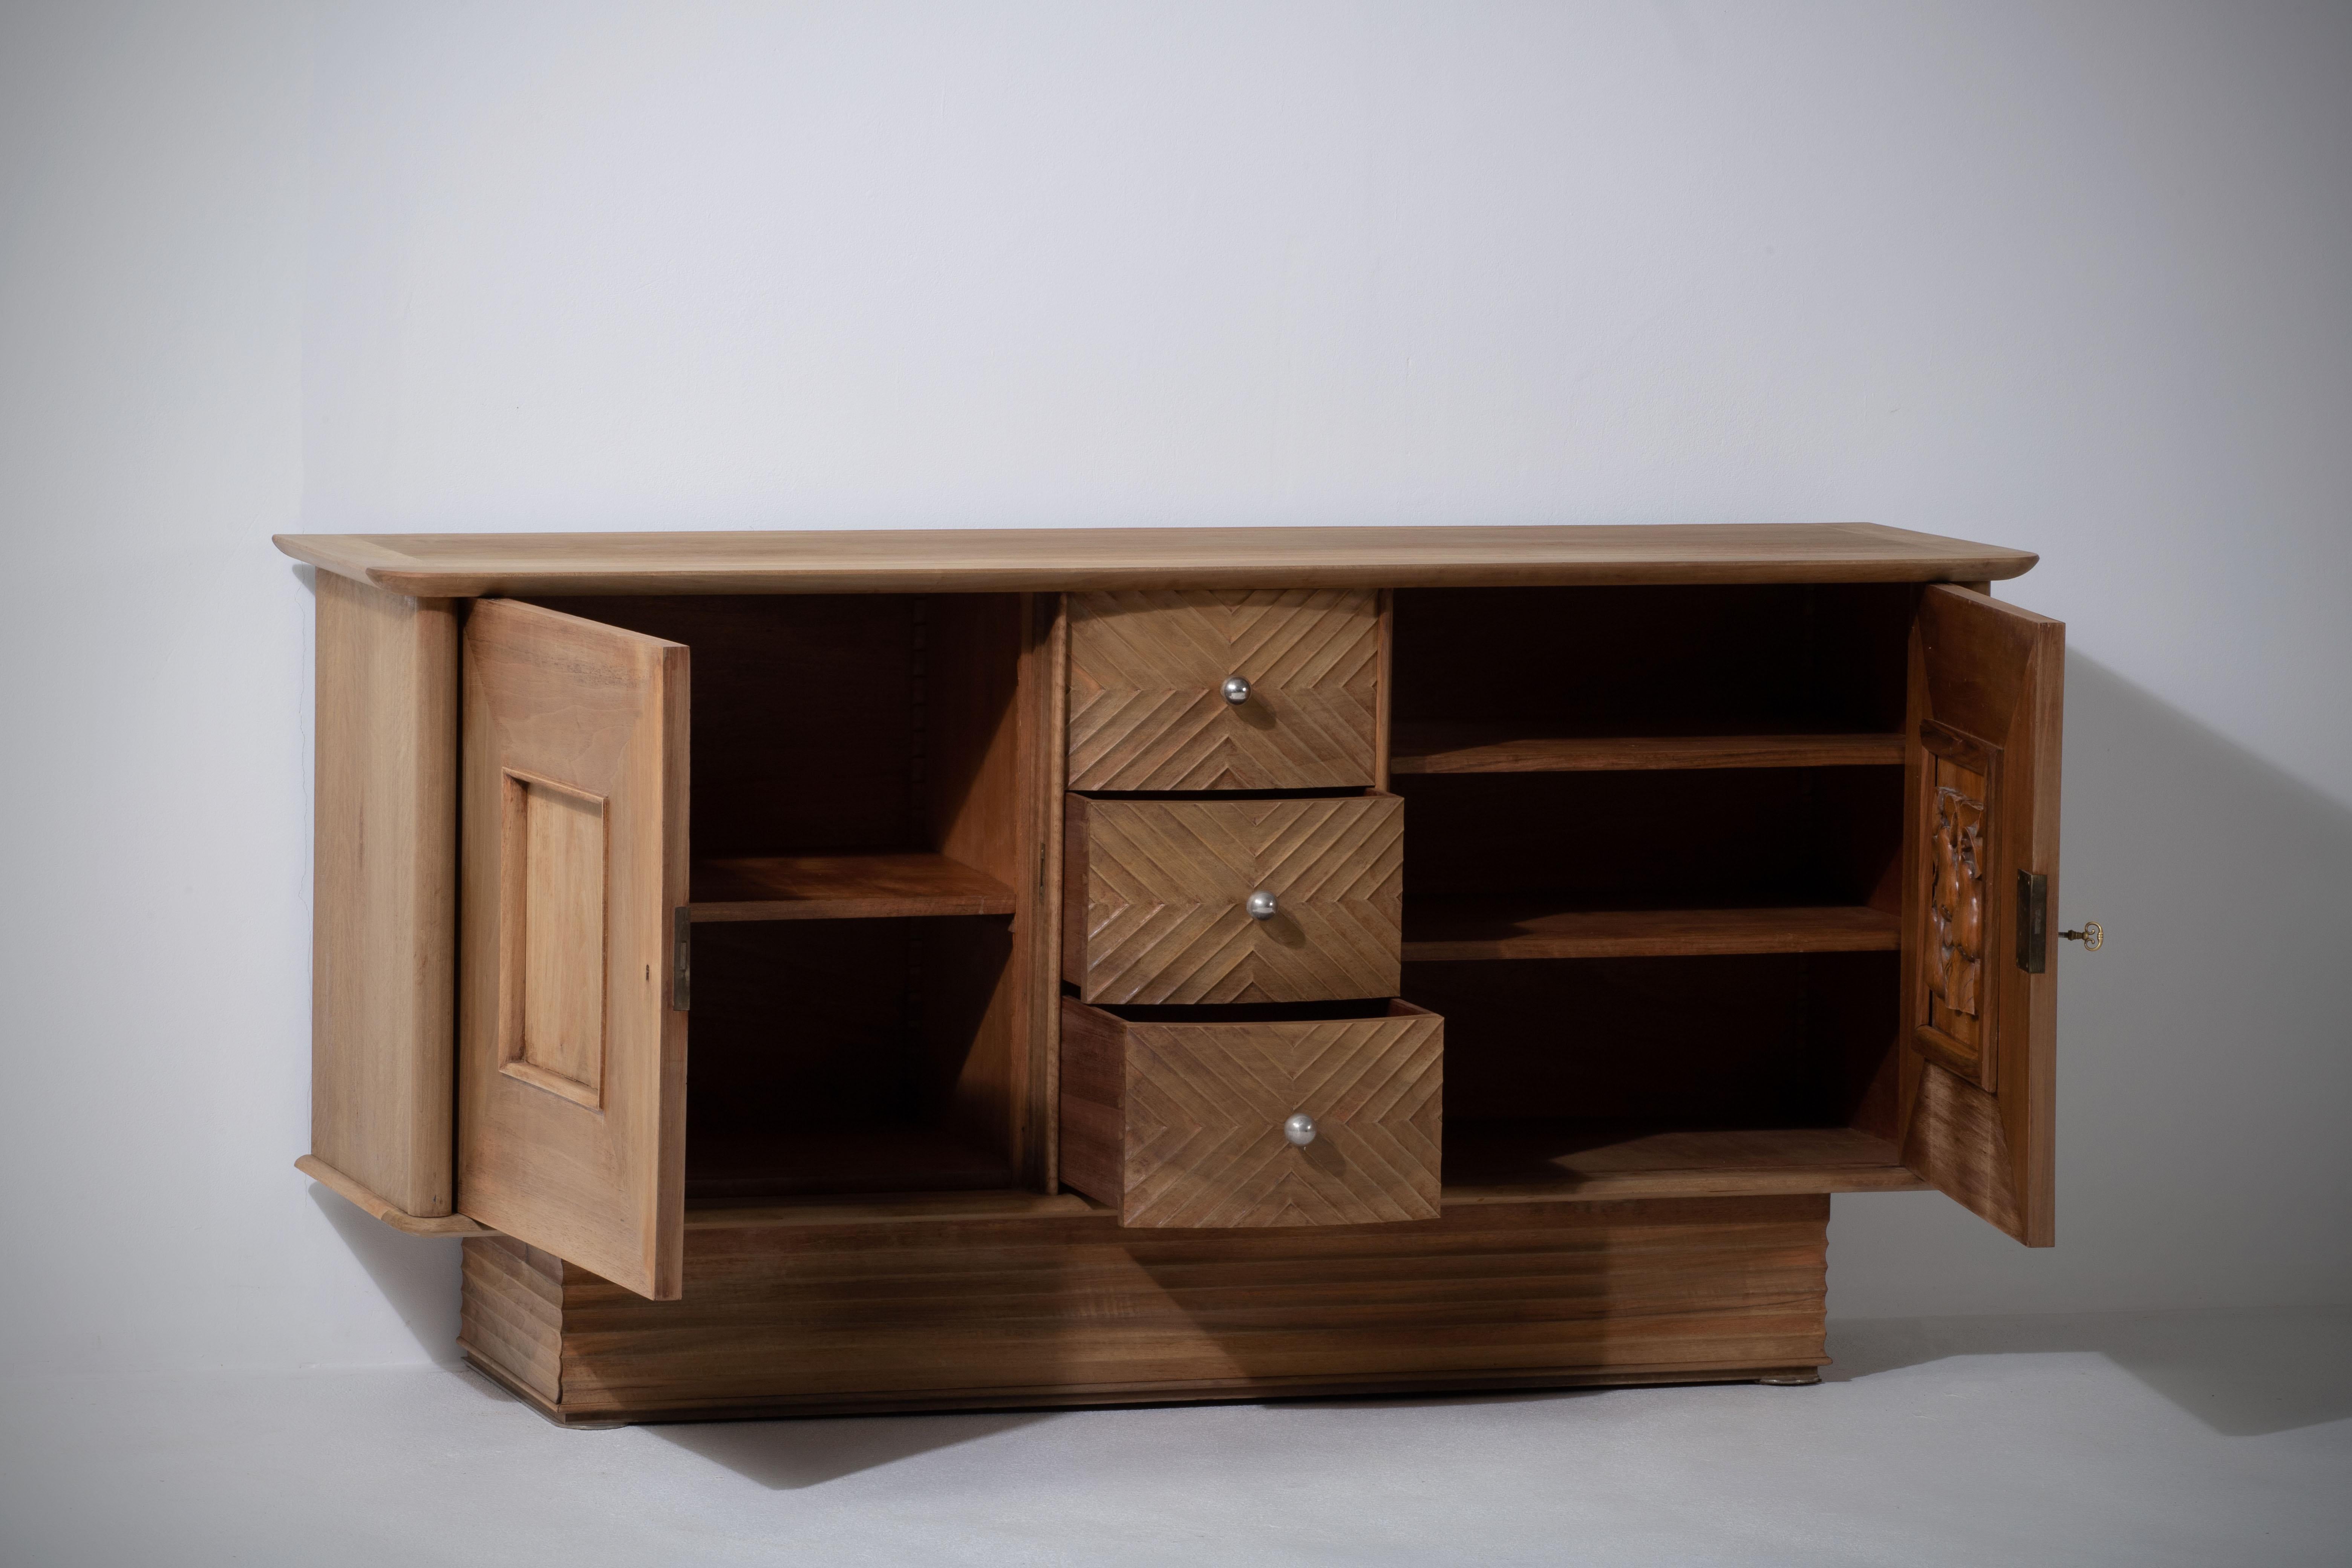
1453	930
1489	748
460	566
842	887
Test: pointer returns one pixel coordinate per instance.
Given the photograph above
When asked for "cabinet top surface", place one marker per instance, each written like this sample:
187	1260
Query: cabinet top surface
465	566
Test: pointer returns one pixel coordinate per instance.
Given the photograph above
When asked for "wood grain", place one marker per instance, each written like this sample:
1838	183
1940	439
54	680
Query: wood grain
1180	1125
554	702
1147	709
1517	1161
384	895
1154	896
1975	1101
780	1320
1494	748
1458	930
1074	559
844	887
510	1313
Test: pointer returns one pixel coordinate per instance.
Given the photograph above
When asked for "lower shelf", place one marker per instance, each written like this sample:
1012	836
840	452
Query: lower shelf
831	1160
1522	1162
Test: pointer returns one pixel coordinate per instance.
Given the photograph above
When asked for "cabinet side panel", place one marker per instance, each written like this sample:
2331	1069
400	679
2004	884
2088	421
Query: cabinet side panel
385	913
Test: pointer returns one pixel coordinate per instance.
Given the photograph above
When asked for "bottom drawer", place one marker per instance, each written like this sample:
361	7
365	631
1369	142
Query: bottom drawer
1254	1116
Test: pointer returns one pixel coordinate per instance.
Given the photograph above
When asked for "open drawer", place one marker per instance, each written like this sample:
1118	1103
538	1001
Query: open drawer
1254	1116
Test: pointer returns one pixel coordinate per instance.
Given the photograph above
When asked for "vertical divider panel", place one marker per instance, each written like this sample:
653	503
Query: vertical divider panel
1048	661
993	761
1382	706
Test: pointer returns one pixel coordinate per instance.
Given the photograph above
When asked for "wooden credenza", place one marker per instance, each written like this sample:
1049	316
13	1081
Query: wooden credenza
1167	964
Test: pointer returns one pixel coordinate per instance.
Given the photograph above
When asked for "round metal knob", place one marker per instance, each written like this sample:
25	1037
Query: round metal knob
1261	905
1299	1129
1236	691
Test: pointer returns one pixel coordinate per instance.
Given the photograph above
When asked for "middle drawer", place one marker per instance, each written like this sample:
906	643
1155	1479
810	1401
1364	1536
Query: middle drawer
1233	901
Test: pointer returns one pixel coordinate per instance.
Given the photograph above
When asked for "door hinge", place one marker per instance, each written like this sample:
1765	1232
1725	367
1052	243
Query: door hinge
681	958
2032	921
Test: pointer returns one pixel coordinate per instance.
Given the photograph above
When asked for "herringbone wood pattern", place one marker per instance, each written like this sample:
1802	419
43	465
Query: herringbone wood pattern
1154	906
1184	1122
1147	668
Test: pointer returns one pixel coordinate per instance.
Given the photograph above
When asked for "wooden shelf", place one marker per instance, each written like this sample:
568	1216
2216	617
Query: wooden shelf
837	1160
1522	1162
844	887
1451	933
1500	748
891	1208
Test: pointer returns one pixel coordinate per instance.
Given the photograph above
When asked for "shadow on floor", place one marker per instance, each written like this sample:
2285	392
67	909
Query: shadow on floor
1440	1399
417	1274
786	1455
2244	1373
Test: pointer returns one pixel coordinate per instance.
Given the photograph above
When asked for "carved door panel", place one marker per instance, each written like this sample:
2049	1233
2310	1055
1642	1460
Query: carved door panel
570	1048
1980	995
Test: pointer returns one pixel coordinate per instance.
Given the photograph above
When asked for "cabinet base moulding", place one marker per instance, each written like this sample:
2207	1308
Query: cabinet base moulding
377	1206
840	1319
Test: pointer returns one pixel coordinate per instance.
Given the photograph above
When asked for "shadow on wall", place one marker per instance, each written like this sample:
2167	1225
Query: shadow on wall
2242	1374
417	1274
2204	1056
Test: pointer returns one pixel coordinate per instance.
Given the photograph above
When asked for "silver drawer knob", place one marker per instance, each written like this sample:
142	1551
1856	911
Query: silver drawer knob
1261	905
1236	691
1299	1129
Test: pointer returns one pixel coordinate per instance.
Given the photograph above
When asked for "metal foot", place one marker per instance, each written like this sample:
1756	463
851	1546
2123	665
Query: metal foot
1802	1377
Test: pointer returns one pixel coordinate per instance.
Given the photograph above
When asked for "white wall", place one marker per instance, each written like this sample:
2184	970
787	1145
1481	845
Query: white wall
2062	276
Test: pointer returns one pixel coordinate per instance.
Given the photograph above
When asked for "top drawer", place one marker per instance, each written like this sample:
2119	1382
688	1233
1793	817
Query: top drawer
1148	704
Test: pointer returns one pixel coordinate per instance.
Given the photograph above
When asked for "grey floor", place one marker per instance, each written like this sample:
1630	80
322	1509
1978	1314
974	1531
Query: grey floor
2206	1439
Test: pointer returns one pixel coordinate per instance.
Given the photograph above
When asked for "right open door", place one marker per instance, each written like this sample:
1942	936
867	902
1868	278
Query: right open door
1980	874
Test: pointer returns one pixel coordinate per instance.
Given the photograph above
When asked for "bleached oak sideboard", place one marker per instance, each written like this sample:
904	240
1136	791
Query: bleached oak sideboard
1125	965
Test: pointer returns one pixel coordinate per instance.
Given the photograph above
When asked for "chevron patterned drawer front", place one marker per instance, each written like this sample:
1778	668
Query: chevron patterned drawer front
1180	1125
1147	710
1155	903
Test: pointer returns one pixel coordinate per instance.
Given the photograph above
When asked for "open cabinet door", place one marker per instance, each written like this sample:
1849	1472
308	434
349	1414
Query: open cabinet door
571	1042
1981	872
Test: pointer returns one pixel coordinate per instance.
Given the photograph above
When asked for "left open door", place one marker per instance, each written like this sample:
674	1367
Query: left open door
571	1029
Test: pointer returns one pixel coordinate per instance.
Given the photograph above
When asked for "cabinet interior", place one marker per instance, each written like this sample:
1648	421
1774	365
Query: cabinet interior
1652	872
857	829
